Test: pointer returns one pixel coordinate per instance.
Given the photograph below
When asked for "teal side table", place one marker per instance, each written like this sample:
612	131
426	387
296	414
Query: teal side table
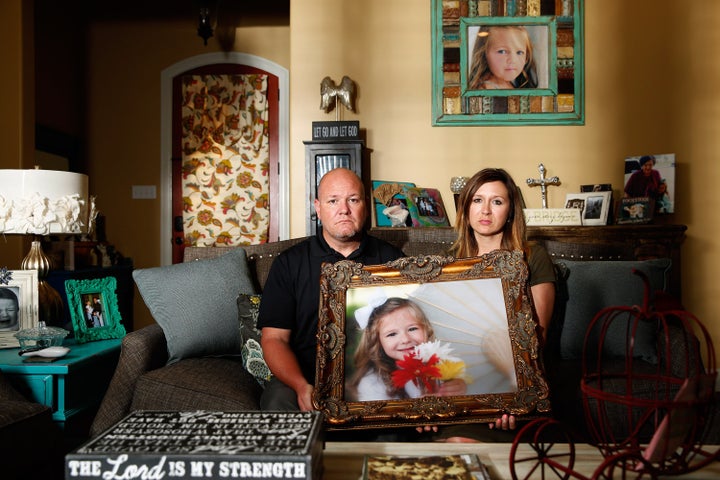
72	386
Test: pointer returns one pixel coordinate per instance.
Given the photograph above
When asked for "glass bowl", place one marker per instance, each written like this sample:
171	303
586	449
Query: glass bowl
41	336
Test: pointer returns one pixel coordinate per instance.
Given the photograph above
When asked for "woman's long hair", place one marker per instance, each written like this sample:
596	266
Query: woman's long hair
480	69
370	355
514	231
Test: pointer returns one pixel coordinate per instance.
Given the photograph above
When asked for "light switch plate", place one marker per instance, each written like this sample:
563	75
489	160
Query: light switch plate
144	192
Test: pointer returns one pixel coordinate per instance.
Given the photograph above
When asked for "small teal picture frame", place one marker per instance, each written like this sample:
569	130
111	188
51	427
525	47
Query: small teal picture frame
94	310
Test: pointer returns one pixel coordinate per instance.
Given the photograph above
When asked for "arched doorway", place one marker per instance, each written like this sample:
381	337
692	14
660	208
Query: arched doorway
200	64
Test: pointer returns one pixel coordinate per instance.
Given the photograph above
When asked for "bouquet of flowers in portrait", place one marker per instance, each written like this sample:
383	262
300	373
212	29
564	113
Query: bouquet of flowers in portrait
427	366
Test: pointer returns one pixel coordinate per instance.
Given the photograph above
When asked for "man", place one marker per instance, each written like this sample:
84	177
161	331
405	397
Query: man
289	308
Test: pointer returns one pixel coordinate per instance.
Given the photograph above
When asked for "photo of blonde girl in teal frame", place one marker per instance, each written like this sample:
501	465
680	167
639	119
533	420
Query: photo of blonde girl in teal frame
499	56
556	30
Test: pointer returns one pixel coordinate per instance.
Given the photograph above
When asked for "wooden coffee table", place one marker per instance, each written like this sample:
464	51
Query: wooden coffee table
343	460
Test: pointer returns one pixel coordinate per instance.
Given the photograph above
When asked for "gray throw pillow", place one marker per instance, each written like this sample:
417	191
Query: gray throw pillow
194	303
590	286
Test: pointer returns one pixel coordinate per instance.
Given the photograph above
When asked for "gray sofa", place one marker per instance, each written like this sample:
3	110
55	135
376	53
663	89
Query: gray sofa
27	433
144	380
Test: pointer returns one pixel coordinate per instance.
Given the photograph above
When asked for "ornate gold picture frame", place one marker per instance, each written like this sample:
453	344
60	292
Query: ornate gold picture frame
465	349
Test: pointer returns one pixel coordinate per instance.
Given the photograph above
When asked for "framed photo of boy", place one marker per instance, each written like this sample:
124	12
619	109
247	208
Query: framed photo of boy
94	309
18	305
499	55
595	206
400	344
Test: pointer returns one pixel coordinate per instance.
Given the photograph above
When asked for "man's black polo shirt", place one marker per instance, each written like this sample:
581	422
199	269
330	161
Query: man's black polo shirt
291	294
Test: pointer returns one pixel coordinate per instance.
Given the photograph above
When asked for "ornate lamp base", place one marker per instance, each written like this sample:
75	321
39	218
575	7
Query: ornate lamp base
51	304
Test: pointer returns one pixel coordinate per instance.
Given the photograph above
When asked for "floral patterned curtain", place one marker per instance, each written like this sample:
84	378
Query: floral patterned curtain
225	159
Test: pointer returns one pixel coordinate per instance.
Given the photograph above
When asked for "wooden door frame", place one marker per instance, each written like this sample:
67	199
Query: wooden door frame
167	75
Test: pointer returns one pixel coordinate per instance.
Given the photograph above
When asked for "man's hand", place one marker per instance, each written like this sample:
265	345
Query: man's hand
284	365
304	396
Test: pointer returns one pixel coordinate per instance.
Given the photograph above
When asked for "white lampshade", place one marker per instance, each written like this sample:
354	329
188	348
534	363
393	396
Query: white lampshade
44	202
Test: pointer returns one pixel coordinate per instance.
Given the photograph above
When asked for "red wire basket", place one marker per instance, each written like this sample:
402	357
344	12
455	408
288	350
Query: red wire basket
666	403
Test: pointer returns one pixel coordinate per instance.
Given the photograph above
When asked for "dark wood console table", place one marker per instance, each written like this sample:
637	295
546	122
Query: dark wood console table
612	242
616	242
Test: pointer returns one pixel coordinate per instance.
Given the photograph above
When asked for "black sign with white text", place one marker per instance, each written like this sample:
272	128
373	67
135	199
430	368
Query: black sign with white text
203	445
343	130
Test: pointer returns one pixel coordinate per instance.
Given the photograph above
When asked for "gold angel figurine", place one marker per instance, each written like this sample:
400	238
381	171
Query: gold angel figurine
331	93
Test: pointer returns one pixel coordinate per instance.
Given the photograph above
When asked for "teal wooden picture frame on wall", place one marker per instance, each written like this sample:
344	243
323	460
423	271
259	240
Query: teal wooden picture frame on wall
94	310
548	91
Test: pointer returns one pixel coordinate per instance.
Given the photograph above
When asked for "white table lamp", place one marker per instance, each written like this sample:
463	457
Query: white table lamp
44	202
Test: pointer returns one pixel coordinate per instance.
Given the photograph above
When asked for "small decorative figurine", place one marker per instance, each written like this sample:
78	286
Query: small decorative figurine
331	93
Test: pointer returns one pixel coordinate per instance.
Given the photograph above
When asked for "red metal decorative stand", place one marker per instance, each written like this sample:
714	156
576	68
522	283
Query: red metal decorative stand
666	403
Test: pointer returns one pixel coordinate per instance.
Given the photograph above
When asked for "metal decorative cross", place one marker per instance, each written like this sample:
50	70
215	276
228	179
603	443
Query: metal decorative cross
543	183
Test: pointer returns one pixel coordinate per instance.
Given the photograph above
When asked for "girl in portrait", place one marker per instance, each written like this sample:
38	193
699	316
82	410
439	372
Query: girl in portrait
502	58
391	332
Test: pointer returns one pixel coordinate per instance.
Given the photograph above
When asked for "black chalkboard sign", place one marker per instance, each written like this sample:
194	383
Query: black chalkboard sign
341	130
202	444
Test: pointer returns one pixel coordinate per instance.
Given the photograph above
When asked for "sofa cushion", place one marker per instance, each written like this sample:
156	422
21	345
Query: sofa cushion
248	309
252	355
192	302
17	412
209	383
586	287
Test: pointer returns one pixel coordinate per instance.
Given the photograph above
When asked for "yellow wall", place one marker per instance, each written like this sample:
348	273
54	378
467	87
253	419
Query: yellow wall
651	87
17	123
651	81
125	61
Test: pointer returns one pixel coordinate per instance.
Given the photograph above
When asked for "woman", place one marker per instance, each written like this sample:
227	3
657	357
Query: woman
490	217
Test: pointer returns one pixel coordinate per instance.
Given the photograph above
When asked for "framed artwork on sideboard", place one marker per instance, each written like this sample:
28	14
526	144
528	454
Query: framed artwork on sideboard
595	206
94	310
19	302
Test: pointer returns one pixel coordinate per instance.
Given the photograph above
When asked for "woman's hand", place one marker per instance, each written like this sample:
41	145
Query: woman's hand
506	422
427	428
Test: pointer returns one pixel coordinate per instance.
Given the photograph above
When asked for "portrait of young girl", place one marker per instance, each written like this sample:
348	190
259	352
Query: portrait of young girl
502	57
391	332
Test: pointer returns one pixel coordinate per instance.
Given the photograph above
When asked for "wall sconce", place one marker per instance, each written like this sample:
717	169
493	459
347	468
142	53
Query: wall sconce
204	30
